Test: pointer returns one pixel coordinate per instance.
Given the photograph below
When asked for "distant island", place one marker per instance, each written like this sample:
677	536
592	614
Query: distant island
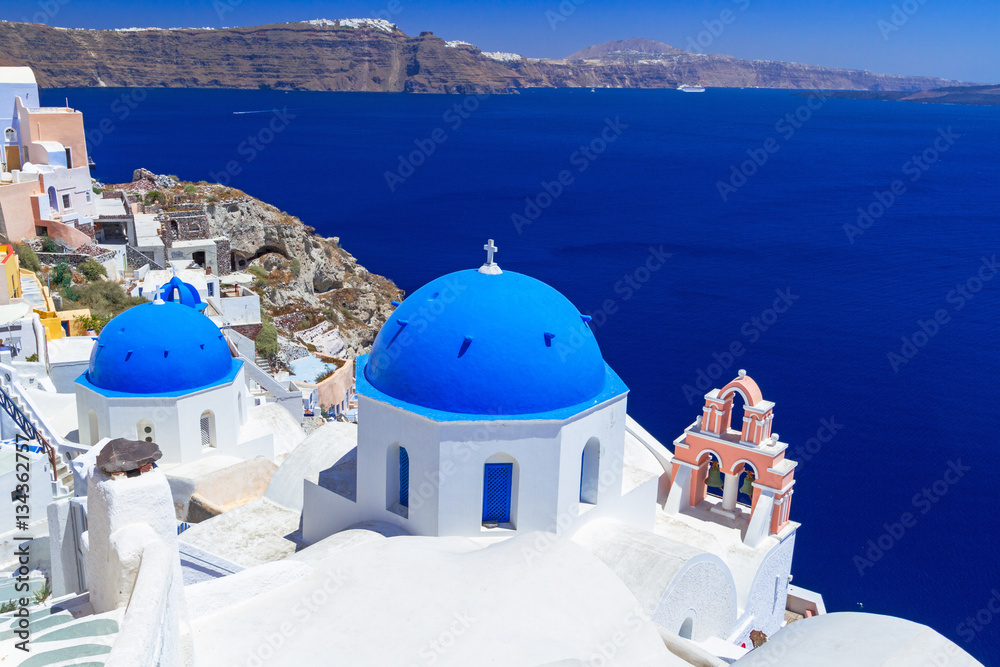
374	55
977	95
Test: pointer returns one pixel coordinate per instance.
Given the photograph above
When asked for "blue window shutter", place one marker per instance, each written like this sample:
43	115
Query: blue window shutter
404	477
496	492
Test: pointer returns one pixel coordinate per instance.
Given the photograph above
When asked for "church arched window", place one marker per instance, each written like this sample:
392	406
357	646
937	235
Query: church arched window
404	477
207	424
145	430
590	471
500	484
397	479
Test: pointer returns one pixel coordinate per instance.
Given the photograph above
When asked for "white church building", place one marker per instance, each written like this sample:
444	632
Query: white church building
485	386
163	372
486	410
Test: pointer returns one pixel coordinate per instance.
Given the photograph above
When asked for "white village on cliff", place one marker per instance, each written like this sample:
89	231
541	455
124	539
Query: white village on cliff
476	492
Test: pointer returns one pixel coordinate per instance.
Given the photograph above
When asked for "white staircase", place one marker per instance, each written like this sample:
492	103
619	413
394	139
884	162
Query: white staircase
27	417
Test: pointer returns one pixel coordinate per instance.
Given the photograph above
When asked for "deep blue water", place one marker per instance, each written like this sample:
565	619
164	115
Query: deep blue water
825	358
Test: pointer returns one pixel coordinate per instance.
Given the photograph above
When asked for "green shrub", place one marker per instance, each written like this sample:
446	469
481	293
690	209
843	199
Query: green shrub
62	276
154	197
92	269
258	271
97	190
8	606
43	593
31	358
267	340
106	299
95	322
49	244
296	267
27	257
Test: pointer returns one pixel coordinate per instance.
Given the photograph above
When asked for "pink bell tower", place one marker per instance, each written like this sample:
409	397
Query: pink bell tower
710	448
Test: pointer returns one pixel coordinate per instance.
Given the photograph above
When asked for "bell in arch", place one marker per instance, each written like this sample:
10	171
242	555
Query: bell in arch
747	487
714	476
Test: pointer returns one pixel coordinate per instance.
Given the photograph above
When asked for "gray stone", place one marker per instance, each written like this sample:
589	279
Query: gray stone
125	456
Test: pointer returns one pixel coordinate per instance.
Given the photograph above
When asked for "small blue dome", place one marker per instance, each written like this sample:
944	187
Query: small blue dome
159	348
479	344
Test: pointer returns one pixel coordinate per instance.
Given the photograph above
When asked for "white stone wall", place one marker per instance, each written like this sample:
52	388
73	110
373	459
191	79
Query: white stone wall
447	462
28	92
382	427
766	602
176	421
39	485
703	591
77	184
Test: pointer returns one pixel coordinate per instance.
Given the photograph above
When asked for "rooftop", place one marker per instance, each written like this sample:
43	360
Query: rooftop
51	110
10	75
147	228
72	349
110	207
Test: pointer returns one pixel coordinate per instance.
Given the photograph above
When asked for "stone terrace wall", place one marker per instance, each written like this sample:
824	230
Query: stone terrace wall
72	259
137	260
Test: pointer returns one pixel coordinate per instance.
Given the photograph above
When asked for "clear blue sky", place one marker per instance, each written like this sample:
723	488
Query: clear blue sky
934	37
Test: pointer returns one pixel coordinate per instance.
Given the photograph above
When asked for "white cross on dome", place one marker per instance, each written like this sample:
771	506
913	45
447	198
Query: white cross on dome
490	268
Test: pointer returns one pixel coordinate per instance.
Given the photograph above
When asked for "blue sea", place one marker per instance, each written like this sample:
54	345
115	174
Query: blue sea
843	252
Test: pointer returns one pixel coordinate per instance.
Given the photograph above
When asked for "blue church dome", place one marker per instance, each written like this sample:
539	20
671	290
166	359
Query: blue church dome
159	348
493	345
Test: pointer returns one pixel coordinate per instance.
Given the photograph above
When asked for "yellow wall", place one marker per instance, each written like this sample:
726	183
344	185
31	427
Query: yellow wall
75	328
12	274
52	321
52	324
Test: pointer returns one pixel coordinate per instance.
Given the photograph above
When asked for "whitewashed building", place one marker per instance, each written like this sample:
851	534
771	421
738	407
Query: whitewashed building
163	372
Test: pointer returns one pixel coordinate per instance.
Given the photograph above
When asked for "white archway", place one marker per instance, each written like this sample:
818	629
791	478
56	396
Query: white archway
590	471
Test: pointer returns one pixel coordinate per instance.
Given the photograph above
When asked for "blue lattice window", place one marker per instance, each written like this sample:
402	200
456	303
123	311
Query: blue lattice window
404	477
496	492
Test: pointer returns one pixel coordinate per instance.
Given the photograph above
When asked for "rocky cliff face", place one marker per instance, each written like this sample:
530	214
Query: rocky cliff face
376	56
309	278
303	279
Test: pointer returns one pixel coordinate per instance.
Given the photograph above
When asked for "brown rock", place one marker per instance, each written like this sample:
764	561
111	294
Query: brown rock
126	456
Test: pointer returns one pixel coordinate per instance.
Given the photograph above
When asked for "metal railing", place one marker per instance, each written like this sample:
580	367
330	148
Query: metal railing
23	422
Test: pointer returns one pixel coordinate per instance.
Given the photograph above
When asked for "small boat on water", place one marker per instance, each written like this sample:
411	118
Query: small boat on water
685	88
